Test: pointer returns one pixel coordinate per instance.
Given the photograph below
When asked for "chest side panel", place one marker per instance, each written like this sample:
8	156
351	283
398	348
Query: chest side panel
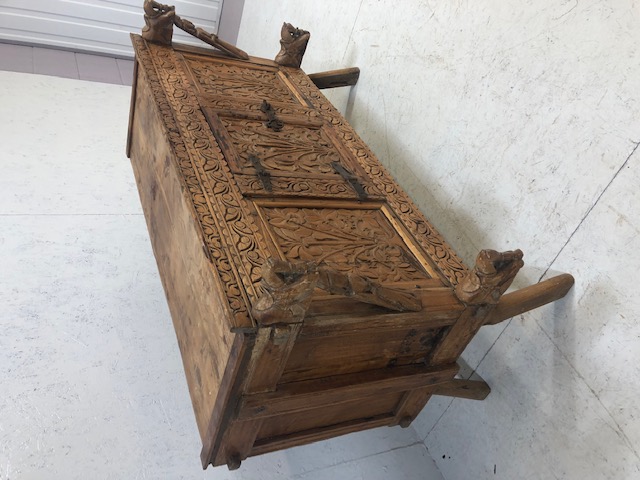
195	294
231	238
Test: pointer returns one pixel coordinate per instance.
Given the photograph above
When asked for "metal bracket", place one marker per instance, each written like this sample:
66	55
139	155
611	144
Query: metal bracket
263	175
351	179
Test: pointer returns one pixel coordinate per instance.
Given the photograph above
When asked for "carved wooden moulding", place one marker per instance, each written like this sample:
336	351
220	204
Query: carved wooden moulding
310	297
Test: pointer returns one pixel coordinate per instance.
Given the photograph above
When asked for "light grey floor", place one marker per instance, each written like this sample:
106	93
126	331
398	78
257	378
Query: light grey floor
92	384
61	63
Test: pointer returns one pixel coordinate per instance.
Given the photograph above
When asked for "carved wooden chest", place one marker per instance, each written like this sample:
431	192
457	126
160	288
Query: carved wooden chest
309	296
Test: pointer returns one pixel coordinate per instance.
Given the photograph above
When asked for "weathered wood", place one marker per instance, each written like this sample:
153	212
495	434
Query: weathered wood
459	388
191	287
490	277
312	394
310	297
529	298
320	433
344	77
293	43
230	389
159	20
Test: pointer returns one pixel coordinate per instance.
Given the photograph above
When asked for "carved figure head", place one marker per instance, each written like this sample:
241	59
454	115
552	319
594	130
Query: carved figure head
293	43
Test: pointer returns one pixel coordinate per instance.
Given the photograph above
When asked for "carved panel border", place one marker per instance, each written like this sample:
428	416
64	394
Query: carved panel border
207	177
428	237
302	187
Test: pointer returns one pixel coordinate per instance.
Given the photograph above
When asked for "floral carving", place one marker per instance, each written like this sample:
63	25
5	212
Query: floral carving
434	244
345	240
295	150
233	240
217	78
303	187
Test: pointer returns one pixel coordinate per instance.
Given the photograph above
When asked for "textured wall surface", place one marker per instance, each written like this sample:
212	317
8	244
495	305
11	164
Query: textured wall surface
512	125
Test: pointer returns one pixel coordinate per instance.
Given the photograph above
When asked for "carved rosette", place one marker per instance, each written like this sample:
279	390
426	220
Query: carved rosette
434	244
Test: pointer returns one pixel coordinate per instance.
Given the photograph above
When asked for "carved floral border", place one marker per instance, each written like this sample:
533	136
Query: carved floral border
221	211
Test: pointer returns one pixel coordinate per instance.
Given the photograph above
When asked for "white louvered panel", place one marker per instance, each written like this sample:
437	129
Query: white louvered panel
94	25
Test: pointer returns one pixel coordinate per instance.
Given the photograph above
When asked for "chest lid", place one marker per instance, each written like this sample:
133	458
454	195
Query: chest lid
249	182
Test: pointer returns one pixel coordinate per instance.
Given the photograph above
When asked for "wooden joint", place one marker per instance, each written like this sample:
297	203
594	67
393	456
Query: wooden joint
405	422
459	388
492	274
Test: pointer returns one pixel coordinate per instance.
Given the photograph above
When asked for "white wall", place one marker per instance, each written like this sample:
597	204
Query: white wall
101	26
512	125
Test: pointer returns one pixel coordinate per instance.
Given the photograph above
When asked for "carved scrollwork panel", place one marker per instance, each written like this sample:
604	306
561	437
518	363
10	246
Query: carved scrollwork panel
434	244
361	241
298	150
217	78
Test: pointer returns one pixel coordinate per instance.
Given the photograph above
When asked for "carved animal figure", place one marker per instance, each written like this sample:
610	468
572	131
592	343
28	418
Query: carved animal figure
293	45
490	277
158	19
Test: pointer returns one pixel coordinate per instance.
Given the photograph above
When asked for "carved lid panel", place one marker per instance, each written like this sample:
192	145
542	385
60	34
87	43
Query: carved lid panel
226	78
244	177
346	236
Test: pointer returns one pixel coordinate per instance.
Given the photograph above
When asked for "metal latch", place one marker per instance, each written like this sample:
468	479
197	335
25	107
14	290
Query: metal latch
273	123
263	175
351	179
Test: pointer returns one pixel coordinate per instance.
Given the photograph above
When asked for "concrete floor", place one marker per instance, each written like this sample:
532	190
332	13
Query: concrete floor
510	128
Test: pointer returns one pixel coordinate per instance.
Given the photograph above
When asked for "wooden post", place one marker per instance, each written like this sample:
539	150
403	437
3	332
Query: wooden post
344	77
528	298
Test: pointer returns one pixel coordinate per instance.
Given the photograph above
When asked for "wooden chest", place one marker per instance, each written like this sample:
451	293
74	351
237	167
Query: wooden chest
309	295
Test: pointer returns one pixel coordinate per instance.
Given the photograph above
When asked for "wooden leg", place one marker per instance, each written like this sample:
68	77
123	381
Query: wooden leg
336	78
470	389
525	299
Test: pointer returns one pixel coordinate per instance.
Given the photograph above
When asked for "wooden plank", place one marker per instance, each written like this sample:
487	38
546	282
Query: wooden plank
459	388
351	350
239	438
528	298
355	409
343	77
132	108
192	290
269	362
320	433
226	401
411	405
317	393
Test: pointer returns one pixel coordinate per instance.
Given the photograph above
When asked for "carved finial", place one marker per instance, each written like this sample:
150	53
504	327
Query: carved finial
158	19
287	290
293	45
490	277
